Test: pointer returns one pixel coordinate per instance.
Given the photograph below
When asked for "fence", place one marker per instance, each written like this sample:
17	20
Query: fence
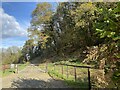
75	74
9	66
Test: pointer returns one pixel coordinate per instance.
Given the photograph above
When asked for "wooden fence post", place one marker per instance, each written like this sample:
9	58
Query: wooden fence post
3	68
54	67
89	83
46	67
62	69
67	71
16	67
75	73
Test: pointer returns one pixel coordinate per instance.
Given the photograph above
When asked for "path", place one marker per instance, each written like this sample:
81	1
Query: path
31	77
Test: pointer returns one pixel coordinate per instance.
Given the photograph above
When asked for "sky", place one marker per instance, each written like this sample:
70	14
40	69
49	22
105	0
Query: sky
16	17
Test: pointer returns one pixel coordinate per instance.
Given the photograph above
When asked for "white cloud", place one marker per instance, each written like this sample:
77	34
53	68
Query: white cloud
10	27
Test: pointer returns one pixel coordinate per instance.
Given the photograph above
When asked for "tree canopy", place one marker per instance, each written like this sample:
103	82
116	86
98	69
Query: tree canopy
87	31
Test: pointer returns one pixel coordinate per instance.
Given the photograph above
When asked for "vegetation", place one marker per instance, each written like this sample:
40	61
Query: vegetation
11	71
85	32
81	75
10	55
79	32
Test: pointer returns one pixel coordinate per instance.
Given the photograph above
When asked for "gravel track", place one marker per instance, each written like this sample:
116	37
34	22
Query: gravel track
31	77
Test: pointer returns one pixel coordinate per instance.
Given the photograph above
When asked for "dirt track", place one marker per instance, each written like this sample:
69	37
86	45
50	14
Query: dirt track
31	77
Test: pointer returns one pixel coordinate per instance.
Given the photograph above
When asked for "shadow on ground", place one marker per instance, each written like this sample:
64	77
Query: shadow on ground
34	83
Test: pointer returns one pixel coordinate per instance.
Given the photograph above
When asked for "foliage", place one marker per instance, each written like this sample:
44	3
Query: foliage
11	55
74	30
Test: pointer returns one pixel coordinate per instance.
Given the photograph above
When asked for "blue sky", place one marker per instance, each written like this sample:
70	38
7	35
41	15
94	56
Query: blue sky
16	17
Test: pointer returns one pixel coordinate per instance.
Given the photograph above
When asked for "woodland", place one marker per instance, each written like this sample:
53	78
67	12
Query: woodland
83	32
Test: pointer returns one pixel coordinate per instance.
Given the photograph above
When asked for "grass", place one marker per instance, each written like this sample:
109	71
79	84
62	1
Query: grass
69	81
73	63
56	72
82	74
21	66
10	71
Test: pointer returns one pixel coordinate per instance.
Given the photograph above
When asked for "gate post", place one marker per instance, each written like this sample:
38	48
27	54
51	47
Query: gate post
89	83
67	71
46	67
54	67
62	69
16	68
75	73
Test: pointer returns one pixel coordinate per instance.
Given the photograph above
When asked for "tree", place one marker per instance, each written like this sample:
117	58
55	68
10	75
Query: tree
11	55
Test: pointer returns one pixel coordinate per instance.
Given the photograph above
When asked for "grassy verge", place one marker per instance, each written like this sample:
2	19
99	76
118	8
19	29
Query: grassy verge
56	72
21	66
82	74
10	71
69	81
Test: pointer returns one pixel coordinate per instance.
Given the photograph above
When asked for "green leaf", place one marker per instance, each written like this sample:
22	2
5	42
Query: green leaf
117	9
116	38
117	15
117	55
99	30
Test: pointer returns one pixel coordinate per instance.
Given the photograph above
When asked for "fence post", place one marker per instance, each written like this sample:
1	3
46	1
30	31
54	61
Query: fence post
54	67
75	73
89	83
46	67
16	67
62	69
3	68
67	71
